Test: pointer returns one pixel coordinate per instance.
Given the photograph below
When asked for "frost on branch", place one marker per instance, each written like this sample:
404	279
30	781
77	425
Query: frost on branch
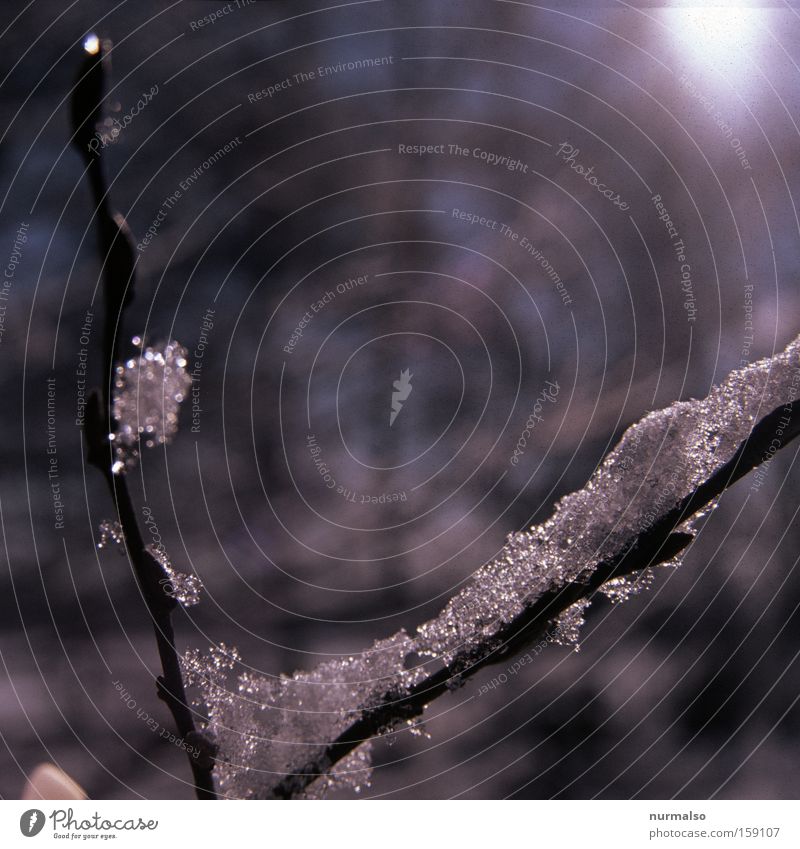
148	390
569	624
621	589
267	728
183	588
111	534
658	462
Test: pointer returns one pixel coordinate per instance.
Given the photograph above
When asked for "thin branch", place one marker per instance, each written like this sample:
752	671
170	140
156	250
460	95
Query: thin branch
117	251
659	543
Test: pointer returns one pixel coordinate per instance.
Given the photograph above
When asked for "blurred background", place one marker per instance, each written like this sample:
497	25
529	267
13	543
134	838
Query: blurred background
306	253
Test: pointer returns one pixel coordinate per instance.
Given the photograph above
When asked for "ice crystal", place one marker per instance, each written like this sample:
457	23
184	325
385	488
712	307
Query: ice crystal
182	587
417	728
569	624
269	727
148	390
621	589
352	772
207	674
111	534
658	461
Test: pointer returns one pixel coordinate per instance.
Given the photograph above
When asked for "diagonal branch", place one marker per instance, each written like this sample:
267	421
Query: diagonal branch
119	266
659	543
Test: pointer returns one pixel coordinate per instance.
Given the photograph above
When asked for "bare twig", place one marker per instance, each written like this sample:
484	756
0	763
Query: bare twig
659	543
116	249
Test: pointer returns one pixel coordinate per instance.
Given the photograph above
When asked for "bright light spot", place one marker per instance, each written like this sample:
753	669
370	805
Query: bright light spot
91	44
718	35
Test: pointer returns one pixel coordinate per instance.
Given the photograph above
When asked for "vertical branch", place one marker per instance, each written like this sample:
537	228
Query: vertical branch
119	267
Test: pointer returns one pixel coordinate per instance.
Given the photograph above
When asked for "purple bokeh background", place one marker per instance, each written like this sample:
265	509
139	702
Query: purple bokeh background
691	689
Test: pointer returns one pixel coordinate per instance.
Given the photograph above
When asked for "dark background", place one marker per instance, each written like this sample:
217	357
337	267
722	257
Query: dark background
689	690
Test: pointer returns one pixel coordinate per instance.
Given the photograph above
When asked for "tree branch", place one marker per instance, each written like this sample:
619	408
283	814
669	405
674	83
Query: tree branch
119	268
659	543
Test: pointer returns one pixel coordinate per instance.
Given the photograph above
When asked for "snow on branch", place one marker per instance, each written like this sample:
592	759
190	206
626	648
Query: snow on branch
300	735
292	736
